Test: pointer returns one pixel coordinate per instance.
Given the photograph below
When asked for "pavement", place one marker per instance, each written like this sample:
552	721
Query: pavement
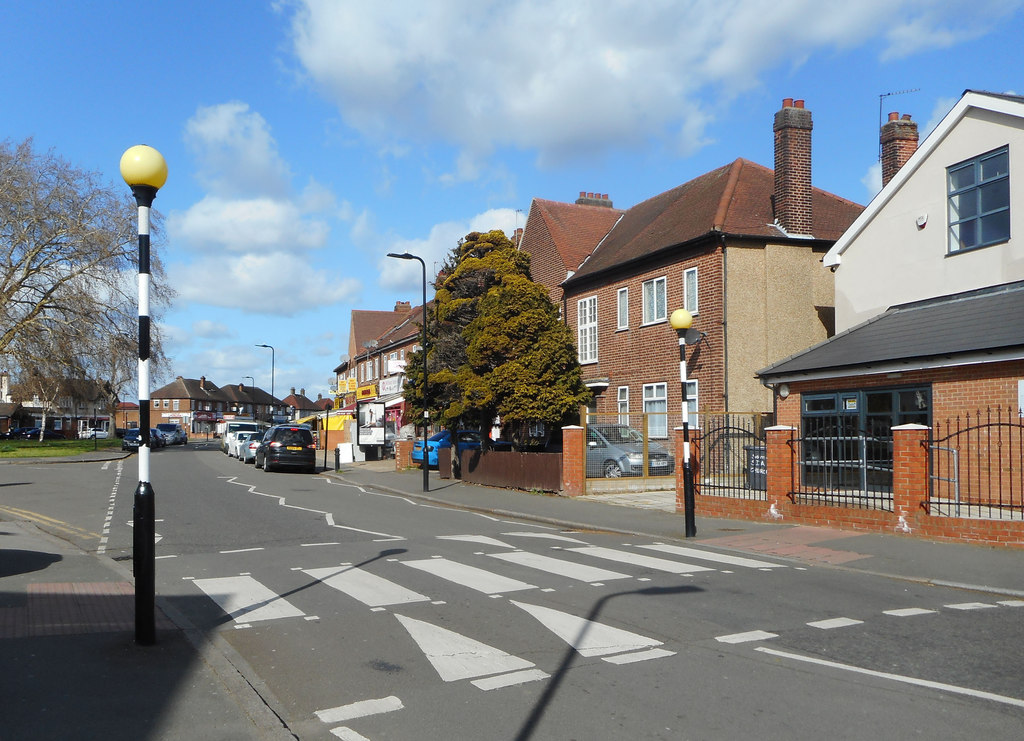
72	669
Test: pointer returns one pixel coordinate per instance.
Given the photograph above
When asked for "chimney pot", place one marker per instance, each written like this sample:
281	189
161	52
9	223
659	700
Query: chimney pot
894	115
798	104
787	102
906	117
583	194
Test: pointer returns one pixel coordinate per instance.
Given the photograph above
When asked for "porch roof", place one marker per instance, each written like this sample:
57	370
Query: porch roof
960	329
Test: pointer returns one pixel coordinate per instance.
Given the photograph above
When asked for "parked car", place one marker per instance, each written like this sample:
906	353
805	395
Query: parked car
93	432
247	453
466	440
288	446
132	439
32	433
233	426
240	440
156	439
173	433
618	450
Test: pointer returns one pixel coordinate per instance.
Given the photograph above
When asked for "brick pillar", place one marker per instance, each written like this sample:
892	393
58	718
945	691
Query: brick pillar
403	454
909	471
574	457
779	464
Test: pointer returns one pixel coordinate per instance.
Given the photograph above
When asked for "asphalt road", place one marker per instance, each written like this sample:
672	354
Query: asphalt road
359	614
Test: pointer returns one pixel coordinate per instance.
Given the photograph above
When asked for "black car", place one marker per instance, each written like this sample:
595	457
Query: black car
32	433
287	446
132	439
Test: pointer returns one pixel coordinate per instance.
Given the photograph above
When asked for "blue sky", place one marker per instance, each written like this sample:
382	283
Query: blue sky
306	139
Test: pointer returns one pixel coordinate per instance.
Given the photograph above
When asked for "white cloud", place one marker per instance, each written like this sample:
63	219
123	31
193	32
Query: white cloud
211	330
246	225
580	78
872	180
246	281
434	248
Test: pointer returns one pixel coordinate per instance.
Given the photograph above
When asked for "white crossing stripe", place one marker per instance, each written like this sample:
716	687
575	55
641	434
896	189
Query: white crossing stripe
456	656
752	635
578	571
909	612
508	680
638	559
749	563
370	589
243	596
347	734
970	606
469	576
586	636
548	536
832	623
654	653
481	539
360	709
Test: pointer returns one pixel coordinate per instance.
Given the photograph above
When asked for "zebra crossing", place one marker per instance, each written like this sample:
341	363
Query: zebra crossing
378	586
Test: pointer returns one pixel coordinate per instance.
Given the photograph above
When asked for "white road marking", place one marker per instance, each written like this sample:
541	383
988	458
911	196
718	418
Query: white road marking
1012	602
360	709
832	623
241	550
510	679
654	653
243	596
347	734
469	576
370	589
752	635
589	638
897	677
577	571
749	563
638	559
481	539
549	536
971	606
909	612
456	656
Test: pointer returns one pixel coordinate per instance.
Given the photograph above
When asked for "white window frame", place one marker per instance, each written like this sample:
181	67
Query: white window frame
690	296
653	290
622	403
176	405
622	308
657	418
586	329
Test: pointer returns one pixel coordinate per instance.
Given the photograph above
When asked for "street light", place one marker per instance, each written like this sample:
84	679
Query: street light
271	378
426	412
252	394
145	171
682	322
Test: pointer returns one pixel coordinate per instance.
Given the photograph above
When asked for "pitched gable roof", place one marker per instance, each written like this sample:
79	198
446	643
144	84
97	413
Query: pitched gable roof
733	200
944	331
569	230
370	326
1011	105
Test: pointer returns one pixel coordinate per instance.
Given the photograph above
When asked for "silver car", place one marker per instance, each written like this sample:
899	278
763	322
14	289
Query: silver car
618	450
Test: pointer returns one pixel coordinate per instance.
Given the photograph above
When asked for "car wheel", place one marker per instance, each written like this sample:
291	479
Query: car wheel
612	470
266	464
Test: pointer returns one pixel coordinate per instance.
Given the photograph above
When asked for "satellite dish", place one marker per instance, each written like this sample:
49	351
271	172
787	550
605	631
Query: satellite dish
692	336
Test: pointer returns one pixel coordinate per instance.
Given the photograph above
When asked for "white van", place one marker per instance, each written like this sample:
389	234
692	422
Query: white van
232	426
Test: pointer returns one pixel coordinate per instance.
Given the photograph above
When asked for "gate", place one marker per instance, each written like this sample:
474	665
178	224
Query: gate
975	466
733	455
840	465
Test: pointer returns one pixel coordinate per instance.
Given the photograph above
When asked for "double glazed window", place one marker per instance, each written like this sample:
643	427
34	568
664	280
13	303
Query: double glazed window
979	201
655	301
656	407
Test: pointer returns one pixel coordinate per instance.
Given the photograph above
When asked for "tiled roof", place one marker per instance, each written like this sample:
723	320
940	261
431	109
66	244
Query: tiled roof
970	323
574	230
734	200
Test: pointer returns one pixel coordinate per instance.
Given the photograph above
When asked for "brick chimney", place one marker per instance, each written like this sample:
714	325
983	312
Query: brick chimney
898	138
400	306
593	199
792	198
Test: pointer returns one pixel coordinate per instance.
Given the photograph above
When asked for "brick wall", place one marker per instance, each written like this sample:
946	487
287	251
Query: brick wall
793	167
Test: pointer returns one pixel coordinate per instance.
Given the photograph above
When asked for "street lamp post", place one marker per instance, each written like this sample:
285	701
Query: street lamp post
682	321
252	394
426	412
271	379
145	171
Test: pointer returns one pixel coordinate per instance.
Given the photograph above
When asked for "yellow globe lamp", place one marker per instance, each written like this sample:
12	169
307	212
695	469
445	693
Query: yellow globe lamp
143	165
681	319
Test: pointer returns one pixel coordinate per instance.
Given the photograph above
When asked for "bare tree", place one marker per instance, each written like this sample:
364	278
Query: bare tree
68	264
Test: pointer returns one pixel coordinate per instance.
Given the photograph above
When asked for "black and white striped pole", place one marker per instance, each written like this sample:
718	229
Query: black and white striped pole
682	322
145	171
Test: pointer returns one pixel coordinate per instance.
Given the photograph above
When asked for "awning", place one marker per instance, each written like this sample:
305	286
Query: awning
394	402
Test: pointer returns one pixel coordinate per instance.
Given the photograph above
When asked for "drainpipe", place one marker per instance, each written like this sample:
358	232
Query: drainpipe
725	323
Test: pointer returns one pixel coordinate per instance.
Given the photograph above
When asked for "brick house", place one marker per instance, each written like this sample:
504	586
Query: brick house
929	286
730	246
197	403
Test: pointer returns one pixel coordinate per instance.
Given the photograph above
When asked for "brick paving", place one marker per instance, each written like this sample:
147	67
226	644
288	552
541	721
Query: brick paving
73	608
794	542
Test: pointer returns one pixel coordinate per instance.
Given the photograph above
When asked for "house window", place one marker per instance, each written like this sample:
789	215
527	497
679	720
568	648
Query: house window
690	290
623	308
623	401
654	300
586	329
979	201
656	409
176	405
